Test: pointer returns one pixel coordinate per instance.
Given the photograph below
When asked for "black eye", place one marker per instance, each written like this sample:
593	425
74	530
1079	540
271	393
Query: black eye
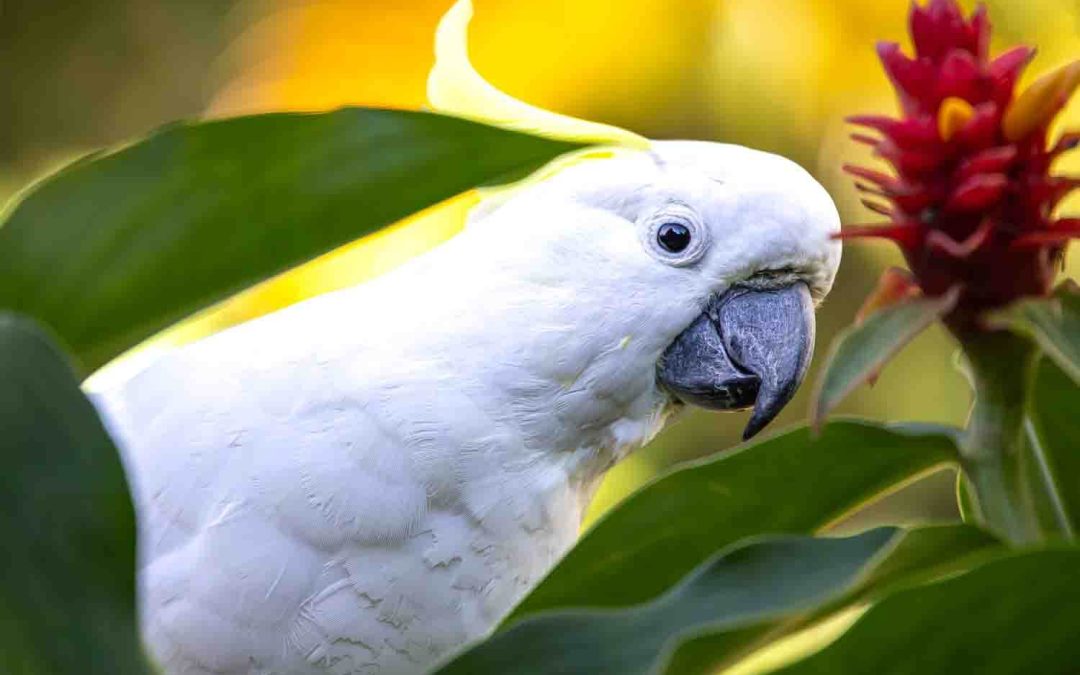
673	237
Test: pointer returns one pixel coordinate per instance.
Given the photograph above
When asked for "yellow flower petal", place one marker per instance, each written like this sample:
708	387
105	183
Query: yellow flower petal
455	88
1038	104
953	114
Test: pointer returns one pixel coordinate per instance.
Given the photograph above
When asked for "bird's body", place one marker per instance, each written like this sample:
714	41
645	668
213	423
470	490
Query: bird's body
367	480
317	498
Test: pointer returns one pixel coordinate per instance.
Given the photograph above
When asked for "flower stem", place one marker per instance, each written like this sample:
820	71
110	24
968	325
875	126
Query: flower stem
1002	377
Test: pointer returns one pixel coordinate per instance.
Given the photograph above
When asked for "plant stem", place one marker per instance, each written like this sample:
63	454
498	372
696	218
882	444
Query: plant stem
1002	377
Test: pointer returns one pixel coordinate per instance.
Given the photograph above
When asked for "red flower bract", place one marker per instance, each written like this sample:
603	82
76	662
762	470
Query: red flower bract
972	199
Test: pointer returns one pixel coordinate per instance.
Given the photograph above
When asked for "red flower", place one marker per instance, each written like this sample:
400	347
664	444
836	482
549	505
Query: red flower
972	200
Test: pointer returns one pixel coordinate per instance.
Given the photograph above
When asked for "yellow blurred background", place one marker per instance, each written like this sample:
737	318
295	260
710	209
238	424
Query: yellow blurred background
773	74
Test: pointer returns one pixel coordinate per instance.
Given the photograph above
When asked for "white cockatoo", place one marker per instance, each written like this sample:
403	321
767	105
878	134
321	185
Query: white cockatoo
368	480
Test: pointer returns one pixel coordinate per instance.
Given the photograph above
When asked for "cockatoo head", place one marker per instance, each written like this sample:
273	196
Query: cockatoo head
692	267
701	262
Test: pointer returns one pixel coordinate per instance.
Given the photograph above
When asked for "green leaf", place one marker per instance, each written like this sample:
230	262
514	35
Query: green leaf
925	553
1053	440
744	586
858	353
920	556
792	483
67	600
753	593
1012	615
118	246
1054	323
965	499
1050	460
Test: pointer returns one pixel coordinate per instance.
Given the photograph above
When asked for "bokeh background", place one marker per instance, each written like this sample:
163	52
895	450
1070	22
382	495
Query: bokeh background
773	74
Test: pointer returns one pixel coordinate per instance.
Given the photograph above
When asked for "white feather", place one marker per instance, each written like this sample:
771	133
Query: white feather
364	482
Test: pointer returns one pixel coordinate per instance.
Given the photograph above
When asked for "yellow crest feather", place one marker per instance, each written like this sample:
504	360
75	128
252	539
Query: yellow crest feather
455	88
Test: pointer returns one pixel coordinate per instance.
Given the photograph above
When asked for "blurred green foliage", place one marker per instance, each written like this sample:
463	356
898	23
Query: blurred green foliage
903	633
67	600
95	250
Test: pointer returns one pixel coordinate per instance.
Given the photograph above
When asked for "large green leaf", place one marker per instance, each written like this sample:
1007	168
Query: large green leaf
1014	615
920	555
67	595
1053	444
859	352
792	483
751	594
1050	460
1053	322
745	586
116	247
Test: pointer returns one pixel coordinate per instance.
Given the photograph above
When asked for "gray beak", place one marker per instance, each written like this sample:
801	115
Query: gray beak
748	348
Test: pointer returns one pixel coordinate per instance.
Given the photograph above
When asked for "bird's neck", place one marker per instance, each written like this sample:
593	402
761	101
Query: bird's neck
557	370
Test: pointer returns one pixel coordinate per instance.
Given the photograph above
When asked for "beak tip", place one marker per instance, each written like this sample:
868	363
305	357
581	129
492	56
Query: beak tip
758	421
749	432
785	343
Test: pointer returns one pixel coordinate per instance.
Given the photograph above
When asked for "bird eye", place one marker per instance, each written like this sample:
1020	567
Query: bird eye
673	237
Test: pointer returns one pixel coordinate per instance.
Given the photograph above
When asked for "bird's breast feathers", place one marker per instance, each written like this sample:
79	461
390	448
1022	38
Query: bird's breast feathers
343	487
